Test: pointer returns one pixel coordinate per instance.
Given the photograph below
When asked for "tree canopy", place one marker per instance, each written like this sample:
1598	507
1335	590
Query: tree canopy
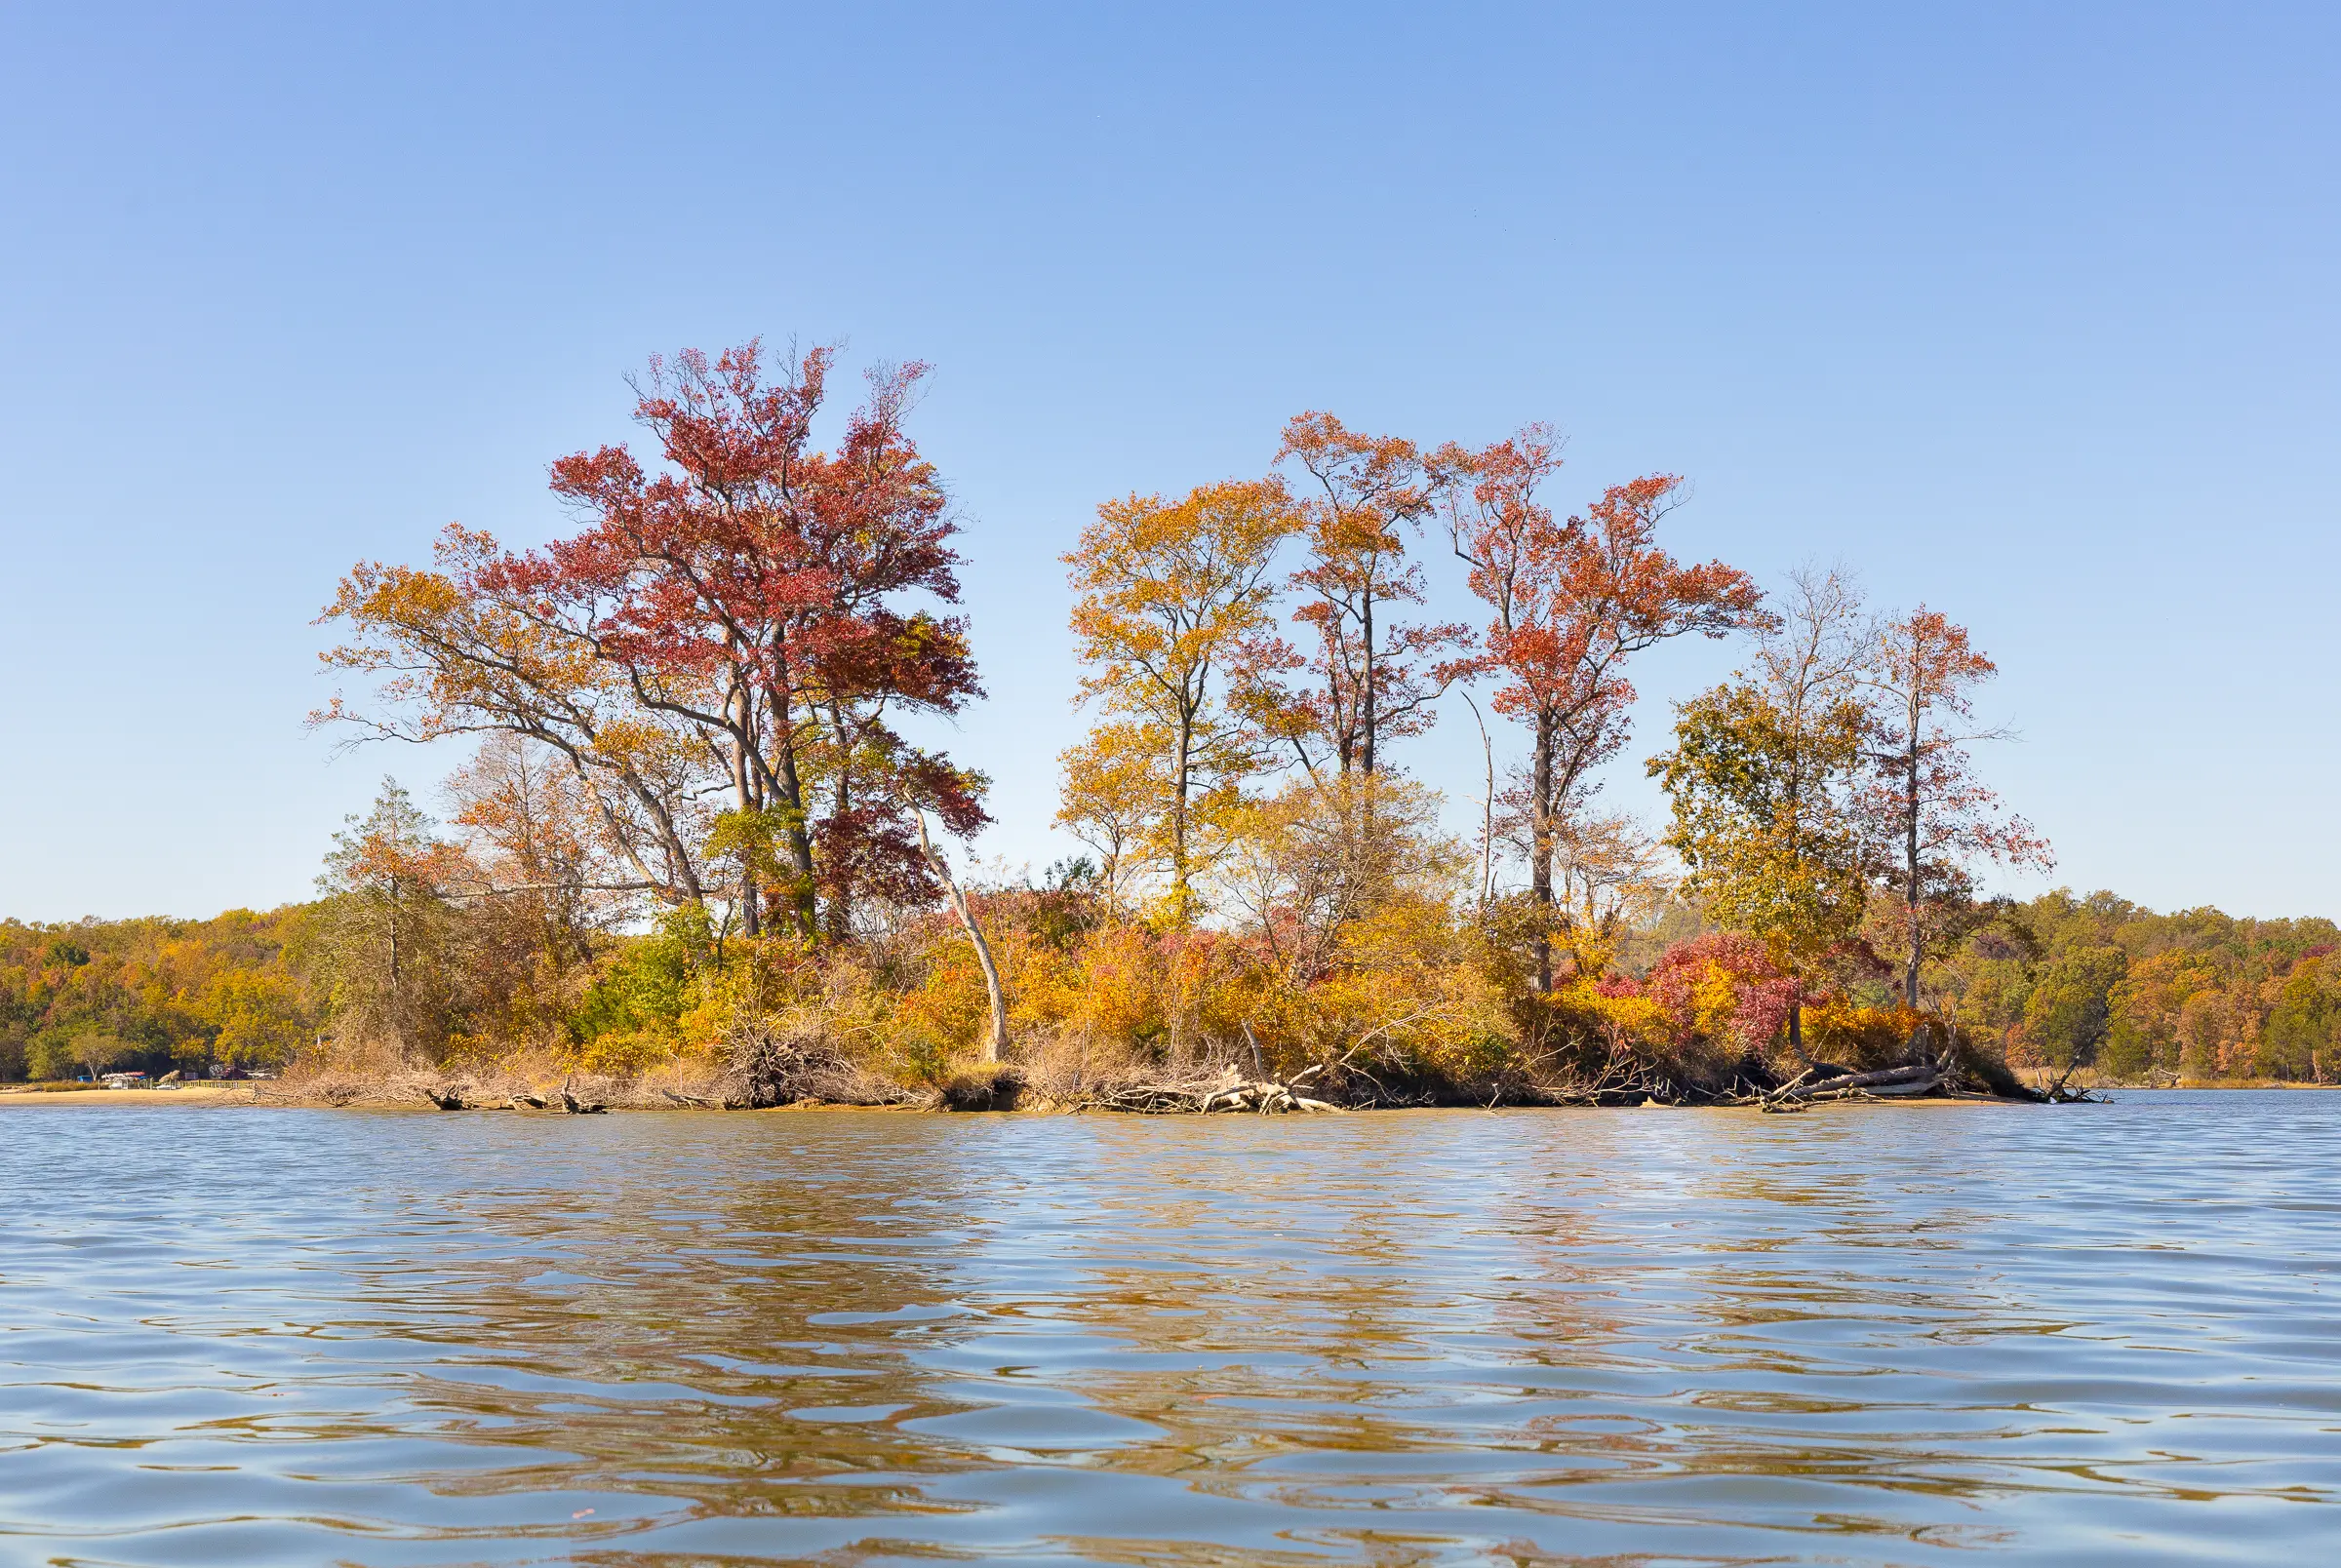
697	826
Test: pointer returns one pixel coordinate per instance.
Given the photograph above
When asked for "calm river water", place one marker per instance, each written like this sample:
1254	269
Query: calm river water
1876	1335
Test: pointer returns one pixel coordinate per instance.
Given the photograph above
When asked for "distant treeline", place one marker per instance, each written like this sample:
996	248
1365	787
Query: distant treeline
96	996
2140	997
2144	997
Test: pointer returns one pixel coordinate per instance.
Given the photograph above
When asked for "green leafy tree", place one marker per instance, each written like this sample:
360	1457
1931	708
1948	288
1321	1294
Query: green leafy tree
2304	1027
652	980
95	1050
388	934
260	1018
2068	1014
48	1057
1762	781
2129	1050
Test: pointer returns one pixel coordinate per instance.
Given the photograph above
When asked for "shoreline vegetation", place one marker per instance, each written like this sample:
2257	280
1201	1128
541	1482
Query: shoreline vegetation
347	1092
702	851
390	1095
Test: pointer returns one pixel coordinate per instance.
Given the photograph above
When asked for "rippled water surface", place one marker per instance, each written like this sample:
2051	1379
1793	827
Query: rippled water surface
1882	1334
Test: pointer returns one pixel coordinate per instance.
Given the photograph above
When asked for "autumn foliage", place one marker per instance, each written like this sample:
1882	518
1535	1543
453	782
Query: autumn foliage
721	653
701	827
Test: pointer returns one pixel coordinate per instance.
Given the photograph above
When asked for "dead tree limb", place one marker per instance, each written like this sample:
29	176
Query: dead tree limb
997	1040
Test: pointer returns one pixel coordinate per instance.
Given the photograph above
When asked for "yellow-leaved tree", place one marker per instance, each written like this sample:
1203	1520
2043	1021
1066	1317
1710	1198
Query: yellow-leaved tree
1168	595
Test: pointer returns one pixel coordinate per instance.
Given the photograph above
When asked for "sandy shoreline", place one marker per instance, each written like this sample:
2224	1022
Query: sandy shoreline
190	1093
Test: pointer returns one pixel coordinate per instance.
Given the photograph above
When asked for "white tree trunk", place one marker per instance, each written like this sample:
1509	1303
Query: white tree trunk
997	1040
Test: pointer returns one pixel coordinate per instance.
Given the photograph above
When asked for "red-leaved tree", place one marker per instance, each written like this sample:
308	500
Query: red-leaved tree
751	606
1931	818
1572	601
1371	677
756	587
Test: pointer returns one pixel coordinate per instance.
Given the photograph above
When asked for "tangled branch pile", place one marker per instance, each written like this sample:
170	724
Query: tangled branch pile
768	1067
1228	1090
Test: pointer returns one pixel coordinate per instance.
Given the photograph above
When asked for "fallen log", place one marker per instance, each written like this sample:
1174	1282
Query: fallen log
1885	1075
1907	1087
528	1100
1805	1085
445	1099
1873	1091
1805	1088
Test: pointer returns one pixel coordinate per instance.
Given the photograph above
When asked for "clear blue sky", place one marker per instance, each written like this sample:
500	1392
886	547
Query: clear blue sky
2027	311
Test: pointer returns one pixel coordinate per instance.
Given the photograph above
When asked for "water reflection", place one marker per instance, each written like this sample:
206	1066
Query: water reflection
1890	1335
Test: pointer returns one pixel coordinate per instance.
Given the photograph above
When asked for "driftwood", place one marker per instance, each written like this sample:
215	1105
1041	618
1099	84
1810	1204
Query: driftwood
445	1098
580	1108
1623	1082
1229	1091
1925	1084
1889	1080
686	1099
1886	1082
2058	1094
528	1100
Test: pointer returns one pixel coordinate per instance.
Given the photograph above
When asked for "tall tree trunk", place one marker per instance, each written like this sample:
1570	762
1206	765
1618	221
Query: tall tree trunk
1540	845
800	841
736	708
790	785
1365	621
996	1040
1910	845
1181	892
398	1012
838	918
1487	809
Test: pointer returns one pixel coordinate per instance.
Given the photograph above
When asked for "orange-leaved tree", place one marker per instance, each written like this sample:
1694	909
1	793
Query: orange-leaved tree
460	648
531	832
1168	596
